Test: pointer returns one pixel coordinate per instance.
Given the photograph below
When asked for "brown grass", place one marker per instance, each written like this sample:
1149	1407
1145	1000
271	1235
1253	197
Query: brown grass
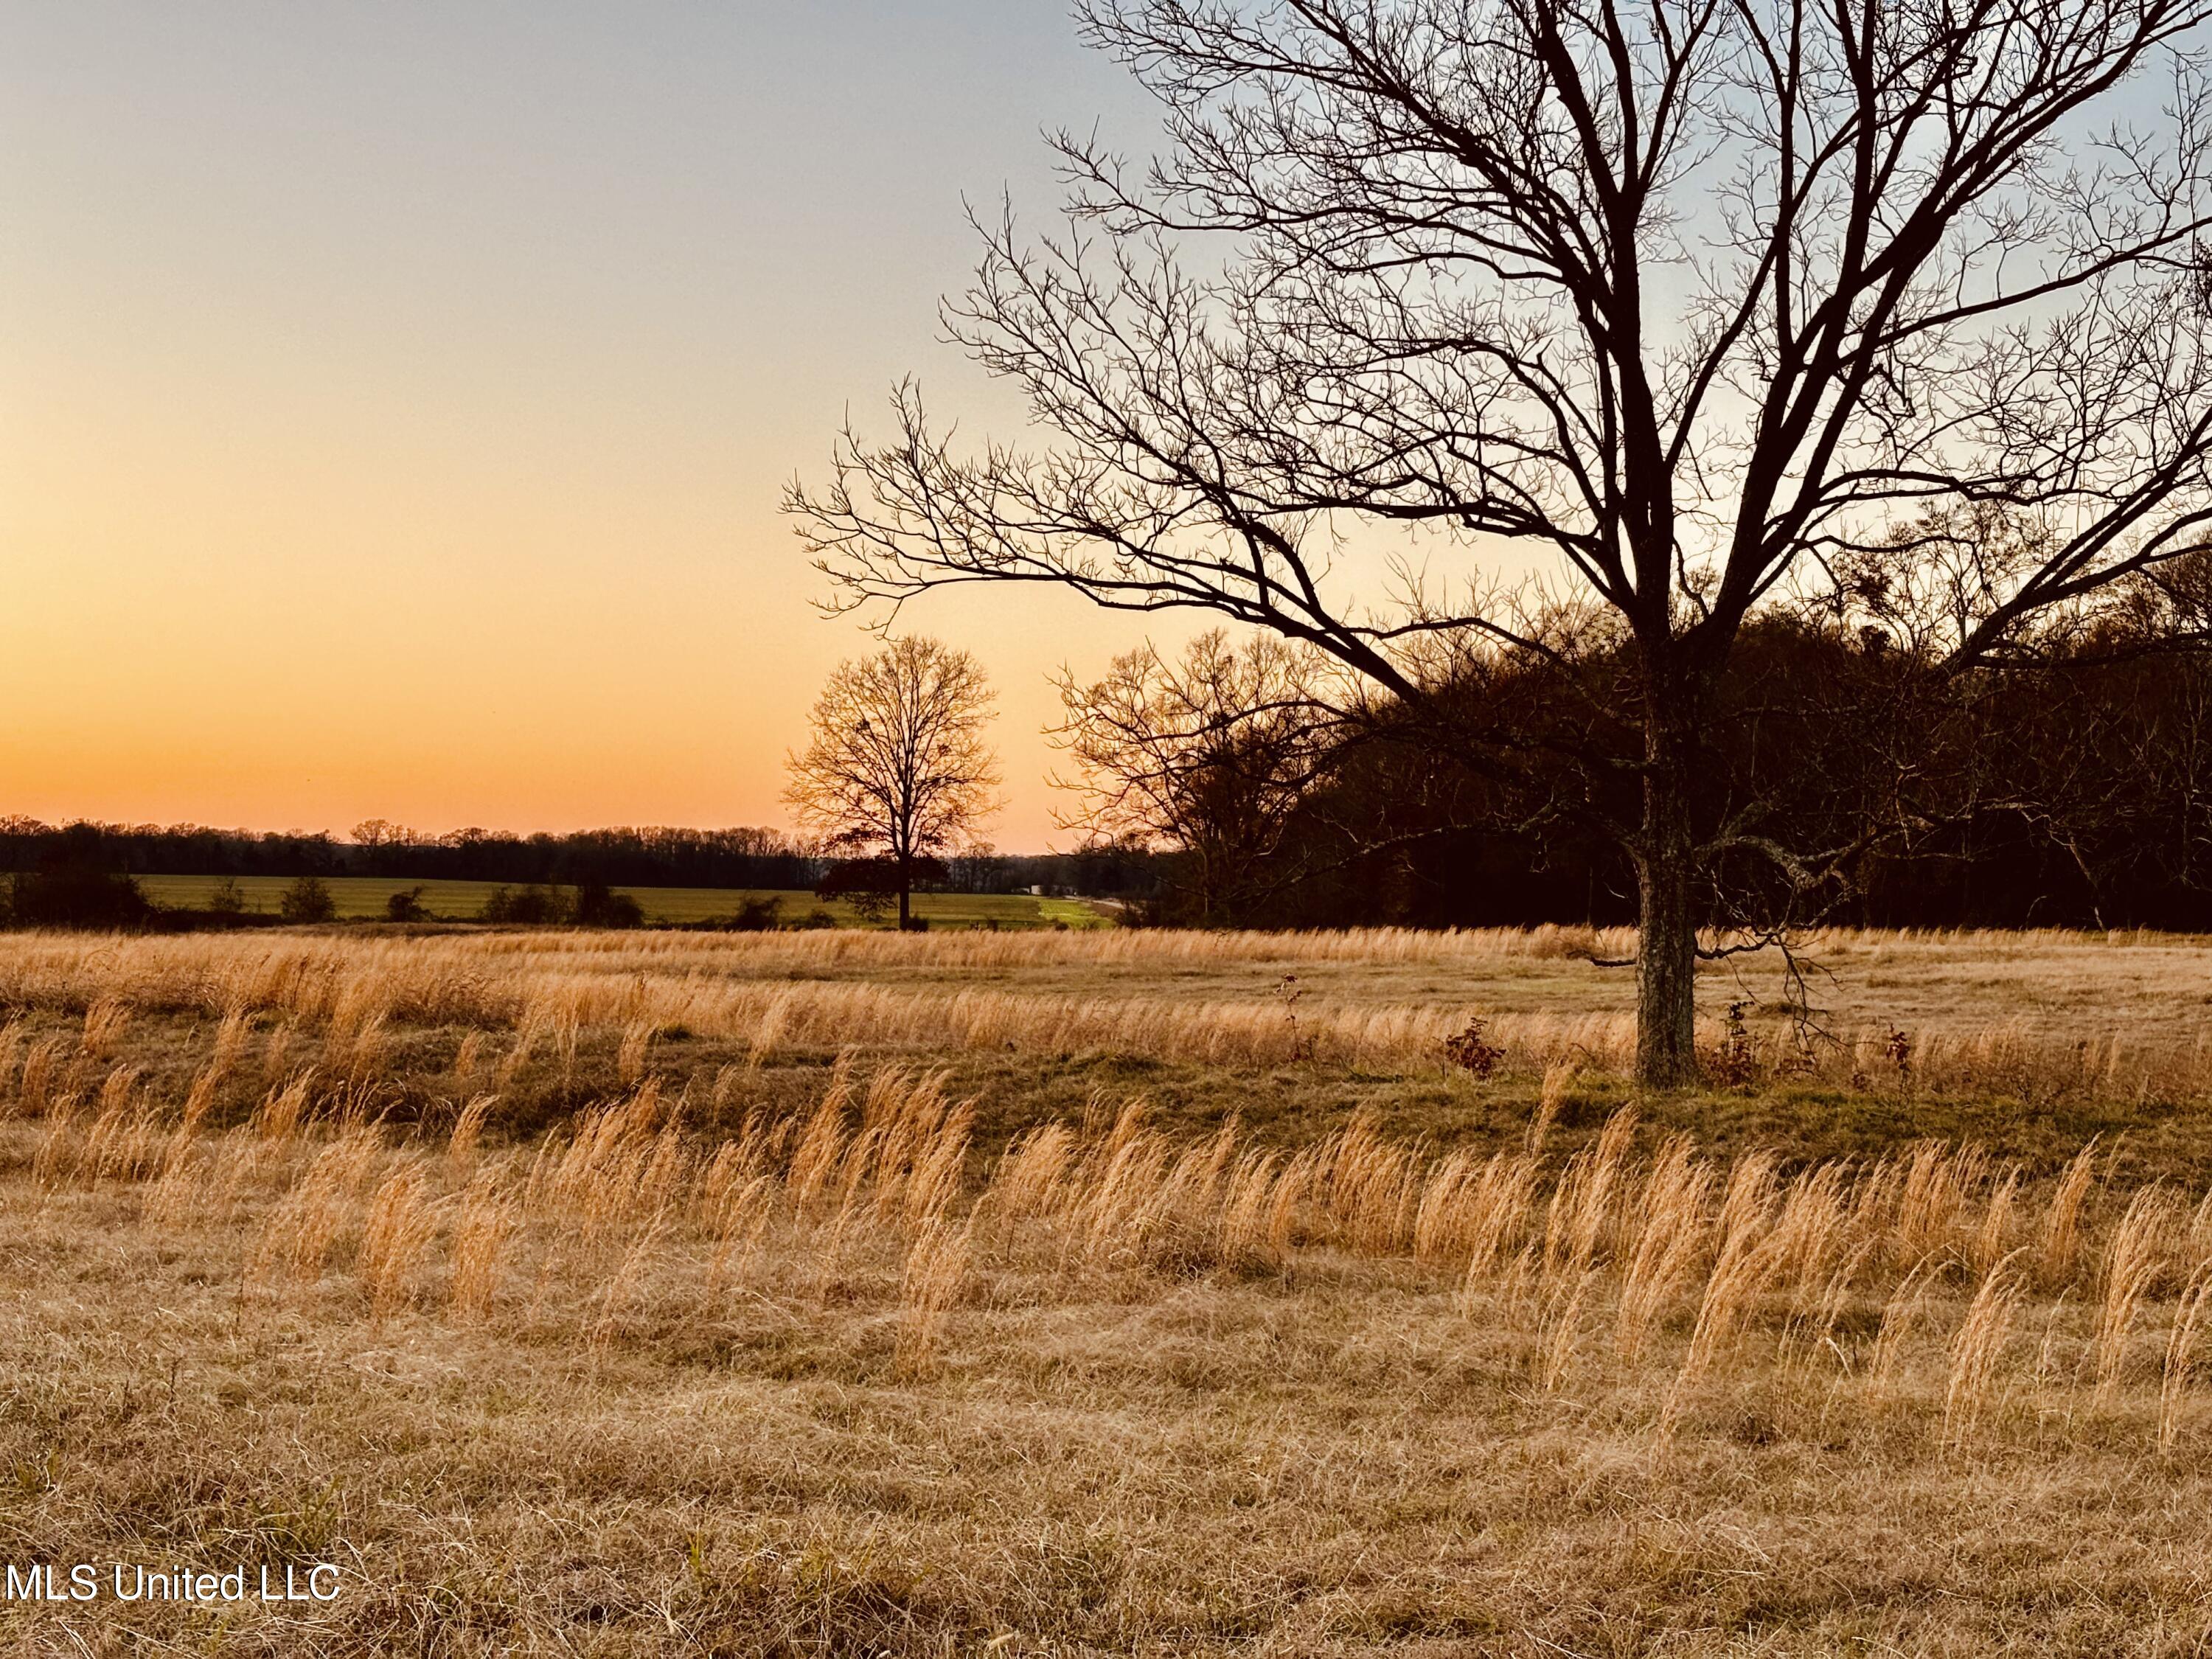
1978	1351
396	1237
722	1364
2116	1018
2135	1258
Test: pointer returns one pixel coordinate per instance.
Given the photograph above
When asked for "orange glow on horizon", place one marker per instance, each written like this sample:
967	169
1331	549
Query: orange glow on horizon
397	406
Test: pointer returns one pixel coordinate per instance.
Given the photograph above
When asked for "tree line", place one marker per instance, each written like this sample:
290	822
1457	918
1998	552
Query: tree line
743	858
653	856
2080	795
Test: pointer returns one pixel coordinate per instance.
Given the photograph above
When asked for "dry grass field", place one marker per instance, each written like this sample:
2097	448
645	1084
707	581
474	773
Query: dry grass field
1123	1293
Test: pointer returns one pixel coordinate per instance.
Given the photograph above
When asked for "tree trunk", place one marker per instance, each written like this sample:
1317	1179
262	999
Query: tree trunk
906	896
1667	942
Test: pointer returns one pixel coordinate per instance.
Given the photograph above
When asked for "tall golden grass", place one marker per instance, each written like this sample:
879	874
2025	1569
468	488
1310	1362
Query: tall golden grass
1905	1276
541	994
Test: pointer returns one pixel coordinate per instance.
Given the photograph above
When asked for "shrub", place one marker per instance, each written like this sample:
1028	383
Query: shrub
74	895
226	908
307	900
1736	1064
757	916
1471	1051
405	906
530	906
597	906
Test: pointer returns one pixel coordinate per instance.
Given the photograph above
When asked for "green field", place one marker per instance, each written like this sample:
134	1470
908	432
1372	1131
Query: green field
364	898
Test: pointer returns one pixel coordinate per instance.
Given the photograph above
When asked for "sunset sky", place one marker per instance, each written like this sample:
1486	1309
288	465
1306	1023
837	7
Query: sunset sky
397	396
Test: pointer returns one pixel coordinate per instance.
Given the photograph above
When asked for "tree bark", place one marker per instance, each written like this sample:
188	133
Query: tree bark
1667	942
906	896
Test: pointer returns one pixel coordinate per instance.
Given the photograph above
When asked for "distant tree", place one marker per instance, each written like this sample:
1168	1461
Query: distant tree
1693	304
228	899
307	900
898	768
976	868
1210	754
405	905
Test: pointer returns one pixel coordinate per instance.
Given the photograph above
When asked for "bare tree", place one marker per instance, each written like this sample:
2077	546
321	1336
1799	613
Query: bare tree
1210	753
1697	299
898	767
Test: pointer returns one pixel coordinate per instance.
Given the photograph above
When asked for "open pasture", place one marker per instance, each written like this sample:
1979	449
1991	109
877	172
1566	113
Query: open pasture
853	1293
2028	1018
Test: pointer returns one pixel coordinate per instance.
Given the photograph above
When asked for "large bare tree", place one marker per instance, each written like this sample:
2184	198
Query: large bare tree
1697	300
898	767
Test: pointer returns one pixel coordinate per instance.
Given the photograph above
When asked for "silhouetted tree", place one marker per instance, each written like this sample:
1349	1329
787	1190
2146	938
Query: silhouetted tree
898	768
1210	753
1697	299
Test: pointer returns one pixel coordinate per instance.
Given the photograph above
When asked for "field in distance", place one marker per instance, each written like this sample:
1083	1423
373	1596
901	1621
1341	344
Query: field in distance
364	897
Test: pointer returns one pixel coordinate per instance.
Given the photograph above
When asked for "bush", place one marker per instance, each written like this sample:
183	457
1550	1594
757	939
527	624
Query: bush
757	916
226	909
405	906
74	895
307	900
597	906
1472	1051
530	906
